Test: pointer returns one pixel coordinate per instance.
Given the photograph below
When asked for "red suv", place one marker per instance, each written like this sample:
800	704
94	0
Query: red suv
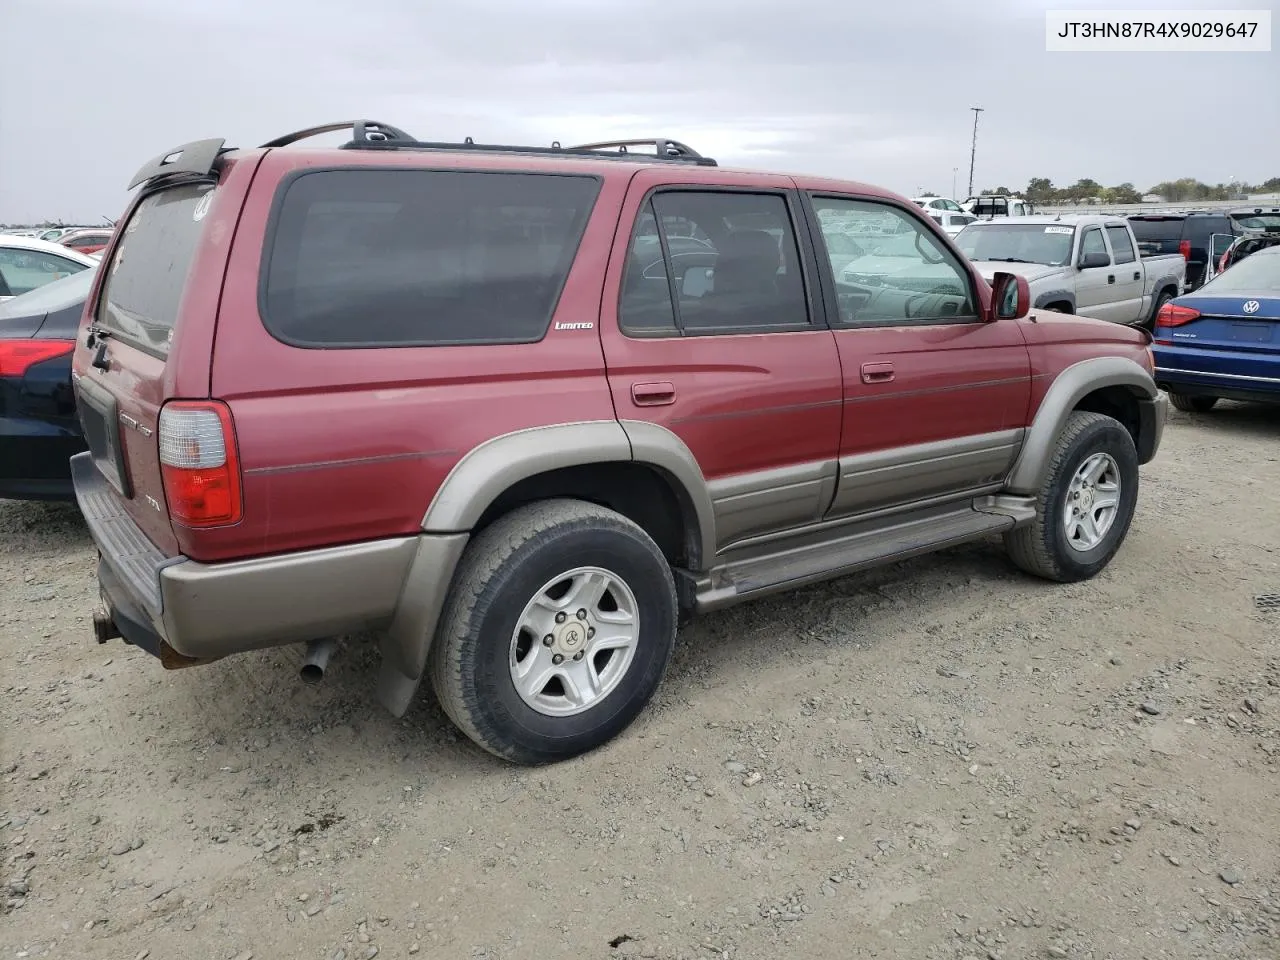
520	409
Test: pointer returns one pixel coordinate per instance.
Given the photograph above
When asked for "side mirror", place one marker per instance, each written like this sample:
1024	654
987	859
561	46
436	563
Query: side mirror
1010	296
1088	261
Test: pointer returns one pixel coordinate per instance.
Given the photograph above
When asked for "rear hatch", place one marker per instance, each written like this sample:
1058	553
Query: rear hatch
126	357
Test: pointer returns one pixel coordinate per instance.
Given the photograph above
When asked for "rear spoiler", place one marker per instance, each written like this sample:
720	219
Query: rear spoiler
194	159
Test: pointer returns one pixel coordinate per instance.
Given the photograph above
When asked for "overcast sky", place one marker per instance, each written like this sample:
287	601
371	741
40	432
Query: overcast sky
874	92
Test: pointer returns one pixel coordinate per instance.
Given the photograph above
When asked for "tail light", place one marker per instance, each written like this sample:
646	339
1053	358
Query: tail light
199	463
1184	248
1172	315
19	356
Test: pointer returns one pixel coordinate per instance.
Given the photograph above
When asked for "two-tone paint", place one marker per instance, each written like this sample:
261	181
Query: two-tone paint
758	461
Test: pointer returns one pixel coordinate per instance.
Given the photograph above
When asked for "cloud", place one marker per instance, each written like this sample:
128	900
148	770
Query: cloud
879	93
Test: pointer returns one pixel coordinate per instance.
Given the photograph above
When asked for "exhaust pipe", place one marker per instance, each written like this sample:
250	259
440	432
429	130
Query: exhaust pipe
104	628
318	654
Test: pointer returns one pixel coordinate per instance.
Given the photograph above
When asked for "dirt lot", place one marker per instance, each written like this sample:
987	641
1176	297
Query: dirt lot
938	761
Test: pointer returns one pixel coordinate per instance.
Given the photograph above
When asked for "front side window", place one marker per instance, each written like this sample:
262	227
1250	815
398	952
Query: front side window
381	258
1120	244
1092	242
903	275
732	267
25	270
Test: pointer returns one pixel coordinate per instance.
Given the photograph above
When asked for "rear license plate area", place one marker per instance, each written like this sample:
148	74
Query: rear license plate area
100	421
1251	332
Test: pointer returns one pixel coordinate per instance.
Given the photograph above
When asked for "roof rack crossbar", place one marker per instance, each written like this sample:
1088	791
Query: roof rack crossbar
371	131
196	158
663	147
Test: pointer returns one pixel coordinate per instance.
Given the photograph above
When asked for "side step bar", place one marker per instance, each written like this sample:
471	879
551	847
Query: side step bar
858	550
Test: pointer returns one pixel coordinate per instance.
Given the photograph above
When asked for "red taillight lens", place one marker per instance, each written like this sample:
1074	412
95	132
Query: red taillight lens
18	356
1184	248
1172	315
199	463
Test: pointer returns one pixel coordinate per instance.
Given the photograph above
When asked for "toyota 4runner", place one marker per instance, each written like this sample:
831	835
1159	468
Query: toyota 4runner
522	409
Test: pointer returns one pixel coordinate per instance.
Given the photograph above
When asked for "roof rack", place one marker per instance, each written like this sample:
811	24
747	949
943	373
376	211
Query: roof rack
375	135
362	131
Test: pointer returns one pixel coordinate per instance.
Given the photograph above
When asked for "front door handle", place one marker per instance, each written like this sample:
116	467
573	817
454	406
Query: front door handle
653	394
1111	278
877	372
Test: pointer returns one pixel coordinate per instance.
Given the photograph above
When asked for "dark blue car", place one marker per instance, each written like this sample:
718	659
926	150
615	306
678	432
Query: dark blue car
39	429
1223	341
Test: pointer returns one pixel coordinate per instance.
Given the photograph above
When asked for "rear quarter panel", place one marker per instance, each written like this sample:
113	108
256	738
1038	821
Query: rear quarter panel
140	382
342	445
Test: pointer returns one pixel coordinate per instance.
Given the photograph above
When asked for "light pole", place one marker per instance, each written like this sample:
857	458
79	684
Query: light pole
973	152
954	171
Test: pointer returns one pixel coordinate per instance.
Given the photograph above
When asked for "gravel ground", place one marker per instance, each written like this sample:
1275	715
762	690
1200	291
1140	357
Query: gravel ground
941	760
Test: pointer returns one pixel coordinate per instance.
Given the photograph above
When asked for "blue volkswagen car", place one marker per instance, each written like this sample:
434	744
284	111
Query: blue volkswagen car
1222	342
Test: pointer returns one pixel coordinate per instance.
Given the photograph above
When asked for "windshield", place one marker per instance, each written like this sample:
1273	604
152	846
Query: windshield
55	295
1049	244
1257	221
1255	274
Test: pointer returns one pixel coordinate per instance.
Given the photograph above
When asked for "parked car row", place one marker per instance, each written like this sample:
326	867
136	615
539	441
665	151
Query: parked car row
81	239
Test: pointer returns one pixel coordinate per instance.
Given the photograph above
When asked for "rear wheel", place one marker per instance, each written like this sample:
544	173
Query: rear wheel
1192	404
1085	505
1155	311
557	632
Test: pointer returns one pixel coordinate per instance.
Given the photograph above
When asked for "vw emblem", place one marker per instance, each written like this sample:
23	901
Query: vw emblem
1251	306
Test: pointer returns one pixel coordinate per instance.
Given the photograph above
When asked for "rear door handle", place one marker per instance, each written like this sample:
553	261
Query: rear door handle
1137	276
877	372
653	394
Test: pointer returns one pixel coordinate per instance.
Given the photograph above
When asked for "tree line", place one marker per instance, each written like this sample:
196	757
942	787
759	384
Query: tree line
1040	190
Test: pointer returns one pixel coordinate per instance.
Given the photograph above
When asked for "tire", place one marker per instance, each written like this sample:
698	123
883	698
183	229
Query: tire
481	646
1043	547
1155	311
1192	404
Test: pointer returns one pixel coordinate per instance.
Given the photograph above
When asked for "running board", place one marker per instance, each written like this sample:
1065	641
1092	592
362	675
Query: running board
811	563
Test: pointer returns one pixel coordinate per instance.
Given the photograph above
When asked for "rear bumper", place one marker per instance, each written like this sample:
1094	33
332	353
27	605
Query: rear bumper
1226	385
1152	415
185	611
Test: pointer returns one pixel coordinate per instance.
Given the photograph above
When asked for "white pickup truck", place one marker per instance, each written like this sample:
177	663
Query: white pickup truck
1084	264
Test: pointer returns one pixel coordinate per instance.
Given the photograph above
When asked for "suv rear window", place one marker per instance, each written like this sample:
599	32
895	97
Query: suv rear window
380	258
148	272
1156	228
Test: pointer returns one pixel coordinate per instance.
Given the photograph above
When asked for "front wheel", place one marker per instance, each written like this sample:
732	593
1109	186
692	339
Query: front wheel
1085	505
557	632
1192	404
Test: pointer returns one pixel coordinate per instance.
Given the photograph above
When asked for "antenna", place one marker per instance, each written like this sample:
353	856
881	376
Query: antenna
973	152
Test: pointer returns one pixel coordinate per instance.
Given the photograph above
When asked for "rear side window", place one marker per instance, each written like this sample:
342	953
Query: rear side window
1120	244
148	271
381	258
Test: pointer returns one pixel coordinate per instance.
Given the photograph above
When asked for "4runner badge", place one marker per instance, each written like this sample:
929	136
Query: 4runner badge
576	325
